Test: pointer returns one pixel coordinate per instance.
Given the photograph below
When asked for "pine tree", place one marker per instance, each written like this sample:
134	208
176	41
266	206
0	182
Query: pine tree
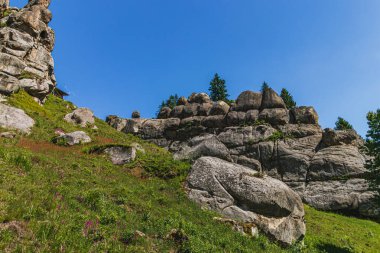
264	87
372	147
288	99
218	89
170	102
342	124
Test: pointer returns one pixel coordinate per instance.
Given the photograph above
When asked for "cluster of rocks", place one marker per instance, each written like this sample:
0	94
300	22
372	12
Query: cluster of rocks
324	167
81	117
26	43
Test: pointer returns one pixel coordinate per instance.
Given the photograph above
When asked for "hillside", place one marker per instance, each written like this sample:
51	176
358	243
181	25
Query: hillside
62	199
255	174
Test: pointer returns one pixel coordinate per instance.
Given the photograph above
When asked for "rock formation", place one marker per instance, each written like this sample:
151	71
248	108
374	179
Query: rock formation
325	167
26	43
241	193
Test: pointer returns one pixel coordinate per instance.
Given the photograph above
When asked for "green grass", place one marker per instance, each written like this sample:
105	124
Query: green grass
61	199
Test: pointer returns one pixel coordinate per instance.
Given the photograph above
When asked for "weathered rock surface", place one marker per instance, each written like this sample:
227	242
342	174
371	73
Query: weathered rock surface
271	100
304	115
207	145
26	43
260	133
241	193
248	100
74	138
81	116
348	195
15	119
120	155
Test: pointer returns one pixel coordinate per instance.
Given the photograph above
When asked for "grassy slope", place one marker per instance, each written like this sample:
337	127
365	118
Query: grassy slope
58	199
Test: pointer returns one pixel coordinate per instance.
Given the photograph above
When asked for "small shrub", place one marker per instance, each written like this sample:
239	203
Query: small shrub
28	75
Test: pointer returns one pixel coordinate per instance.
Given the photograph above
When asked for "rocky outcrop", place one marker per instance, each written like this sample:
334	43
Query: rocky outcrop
244	194
259	132
15	119
26	43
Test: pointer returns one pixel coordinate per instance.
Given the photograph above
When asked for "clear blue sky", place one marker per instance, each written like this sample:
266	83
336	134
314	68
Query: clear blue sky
121	55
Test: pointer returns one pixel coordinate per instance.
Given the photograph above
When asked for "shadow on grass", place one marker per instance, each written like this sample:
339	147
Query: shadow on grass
330	248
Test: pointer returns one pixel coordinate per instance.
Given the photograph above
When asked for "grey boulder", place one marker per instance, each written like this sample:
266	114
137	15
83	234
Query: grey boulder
15	119
120	155
81	116
245	195
219	108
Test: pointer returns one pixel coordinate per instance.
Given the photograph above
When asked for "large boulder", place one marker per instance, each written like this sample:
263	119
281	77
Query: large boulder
248	100
164	113
81	116
271	100
219	108
243	194
199	98
305	115
15	119
182	101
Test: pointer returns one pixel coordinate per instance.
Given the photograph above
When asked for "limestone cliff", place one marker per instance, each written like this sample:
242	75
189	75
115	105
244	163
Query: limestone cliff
26	43
325	167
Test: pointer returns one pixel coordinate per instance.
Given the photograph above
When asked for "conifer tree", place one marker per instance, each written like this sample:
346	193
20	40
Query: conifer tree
372	147
264	87
288	99
342	124
218	89
170	102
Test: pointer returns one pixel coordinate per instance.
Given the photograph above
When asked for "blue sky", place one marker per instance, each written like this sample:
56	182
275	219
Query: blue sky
121	55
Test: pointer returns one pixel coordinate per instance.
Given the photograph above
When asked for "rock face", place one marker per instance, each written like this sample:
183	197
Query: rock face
26	43
242	193
15	119
260	133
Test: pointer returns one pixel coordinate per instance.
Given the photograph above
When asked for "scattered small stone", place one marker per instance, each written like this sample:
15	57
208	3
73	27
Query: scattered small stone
8	135
139	234
136	115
